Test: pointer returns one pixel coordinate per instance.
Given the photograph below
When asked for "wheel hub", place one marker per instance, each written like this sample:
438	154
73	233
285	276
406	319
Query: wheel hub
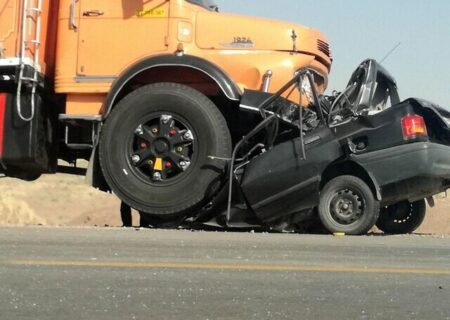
346	206
401	212
162	148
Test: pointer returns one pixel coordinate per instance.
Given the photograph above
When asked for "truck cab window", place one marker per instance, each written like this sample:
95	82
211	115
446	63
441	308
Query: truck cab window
208	4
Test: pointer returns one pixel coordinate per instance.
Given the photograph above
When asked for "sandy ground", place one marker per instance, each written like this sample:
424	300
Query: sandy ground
65	200
58	200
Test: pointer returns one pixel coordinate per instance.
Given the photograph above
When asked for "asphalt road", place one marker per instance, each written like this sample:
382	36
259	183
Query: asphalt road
62	273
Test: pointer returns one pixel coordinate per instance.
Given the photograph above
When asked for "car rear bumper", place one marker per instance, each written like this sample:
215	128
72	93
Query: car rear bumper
411	171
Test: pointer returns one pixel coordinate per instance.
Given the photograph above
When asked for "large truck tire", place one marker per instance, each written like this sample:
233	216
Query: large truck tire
348	205
403	217
155	149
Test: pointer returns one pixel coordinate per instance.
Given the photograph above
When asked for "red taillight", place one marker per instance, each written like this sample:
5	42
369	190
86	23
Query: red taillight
413	127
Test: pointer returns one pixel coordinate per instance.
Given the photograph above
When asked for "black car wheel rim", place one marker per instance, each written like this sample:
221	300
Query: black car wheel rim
400	212
346	206
162	148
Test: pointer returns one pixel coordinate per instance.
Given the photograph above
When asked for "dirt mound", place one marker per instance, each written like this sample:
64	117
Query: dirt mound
14	211
59	200
65	200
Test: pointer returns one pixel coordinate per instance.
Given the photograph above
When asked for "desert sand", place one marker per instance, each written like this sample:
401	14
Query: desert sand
65	200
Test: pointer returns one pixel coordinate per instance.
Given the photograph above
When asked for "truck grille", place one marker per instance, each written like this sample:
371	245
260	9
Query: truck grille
324	47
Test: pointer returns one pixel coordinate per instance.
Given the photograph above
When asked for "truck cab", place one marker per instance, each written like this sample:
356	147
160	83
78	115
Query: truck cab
164	78
99	41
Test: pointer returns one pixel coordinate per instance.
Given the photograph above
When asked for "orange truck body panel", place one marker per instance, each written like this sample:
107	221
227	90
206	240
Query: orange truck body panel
109	36
10	32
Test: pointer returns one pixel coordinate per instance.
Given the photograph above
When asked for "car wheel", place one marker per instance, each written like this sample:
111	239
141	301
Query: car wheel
403	217
348	205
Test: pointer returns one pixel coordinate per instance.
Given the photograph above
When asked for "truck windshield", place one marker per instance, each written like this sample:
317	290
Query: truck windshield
208	4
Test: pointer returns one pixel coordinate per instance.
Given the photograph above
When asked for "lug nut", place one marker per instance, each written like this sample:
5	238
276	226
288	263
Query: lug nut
139	130
184	165
180	149
165	118
150	163
157	176
135	158
154	131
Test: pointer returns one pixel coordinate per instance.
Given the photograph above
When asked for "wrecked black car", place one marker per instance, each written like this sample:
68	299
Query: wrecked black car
355	159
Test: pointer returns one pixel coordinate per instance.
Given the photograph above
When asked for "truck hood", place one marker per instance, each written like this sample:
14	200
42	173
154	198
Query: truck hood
233	32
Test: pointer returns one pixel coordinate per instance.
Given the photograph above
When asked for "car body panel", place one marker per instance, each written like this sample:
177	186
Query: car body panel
281	182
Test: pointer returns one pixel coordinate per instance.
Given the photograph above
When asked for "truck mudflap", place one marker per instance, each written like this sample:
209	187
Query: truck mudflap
26	147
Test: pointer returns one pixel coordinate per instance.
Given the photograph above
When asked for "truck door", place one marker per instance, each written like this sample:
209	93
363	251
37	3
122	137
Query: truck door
114	33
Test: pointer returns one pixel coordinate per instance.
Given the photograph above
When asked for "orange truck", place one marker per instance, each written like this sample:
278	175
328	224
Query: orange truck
148	91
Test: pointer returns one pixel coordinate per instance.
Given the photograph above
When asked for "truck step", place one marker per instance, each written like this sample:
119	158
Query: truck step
80	126
27	79
66	117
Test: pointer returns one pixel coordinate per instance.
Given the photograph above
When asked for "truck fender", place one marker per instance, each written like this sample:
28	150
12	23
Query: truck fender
214	72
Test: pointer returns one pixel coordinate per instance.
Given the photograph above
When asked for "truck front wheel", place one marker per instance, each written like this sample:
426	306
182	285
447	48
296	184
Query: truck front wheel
155	149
